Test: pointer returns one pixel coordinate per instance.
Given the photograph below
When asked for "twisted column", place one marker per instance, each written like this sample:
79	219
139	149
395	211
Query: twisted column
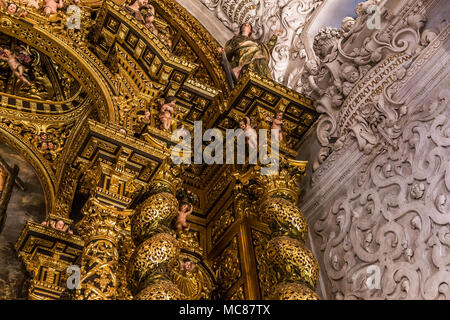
296	269
157	250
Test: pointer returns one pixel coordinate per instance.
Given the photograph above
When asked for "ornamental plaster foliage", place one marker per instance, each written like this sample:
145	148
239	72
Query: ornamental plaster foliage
353	65
395	216
266	16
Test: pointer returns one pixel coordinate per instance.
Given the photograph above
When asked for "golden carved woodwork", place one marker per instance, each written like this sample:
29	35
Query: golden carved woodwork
247	235
47	253
152	260
292	260
100	228
156	214
161	290
284	217
195	284
294	291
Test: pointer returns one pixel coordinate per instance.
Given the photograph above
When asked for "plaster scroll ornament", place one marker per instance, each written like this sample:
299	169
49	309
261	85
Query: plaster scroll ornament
391	221
346	59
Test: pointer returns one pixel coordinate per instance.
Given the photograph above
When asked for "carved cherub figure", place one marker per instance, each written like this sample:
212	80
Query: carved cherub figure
12	9
149	18
167	109
349	72
277	124
16	67
33	3
350	75
312	72
52	6
250	134
187	266
59	225
185	208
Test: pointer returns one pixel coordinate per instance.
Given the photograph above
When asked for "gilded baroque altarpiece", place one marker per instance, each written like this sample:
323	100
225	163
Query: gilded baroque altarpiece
82	107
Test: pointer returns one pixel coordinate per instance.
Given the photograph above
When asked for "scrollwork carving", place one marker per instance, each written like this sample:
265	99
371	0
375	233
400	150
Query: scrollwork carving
393	218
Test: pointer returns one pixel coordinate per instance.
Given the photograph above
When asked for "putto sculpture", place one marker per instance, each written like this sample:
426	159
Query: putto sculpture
185	208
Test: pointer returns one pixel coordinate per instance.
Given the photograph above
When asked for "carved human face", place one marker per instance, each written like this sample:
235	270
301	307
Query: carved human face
246	29
12	8
242	125
44	146
189	265
279	116
51	146
59	225
417	190
351	74
142	3
312	67
347	24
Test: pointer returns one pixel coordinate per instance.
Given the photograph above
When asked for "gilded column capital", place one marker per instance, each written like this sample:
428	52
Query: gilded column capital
167	178
284	182
102	228
101	221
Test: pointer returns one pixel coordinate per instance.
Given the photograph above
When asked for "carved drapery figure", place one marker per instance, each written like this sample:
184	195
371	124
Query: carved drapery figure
242	52
265	16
